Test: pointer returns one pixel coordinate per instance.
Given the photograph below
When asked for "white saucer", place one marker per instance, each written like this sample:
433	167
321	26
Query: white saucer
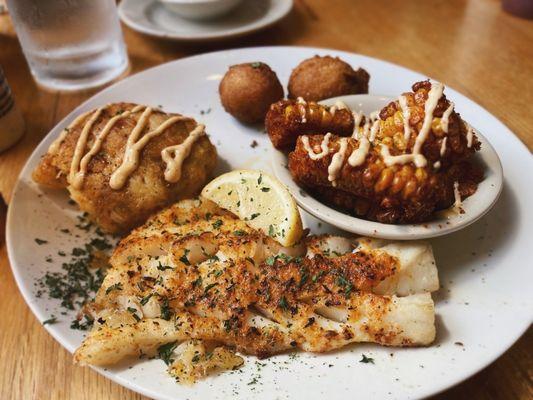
445	222
153	18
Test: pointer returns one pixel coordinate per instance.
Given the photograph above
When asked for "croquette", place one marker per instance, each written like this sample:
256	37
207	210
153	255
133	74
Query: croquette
247	91
319	78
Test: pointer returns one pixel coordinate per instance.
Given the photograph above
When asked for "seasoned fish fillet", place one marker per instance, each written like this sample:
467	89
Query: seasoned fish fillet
197	272
122	162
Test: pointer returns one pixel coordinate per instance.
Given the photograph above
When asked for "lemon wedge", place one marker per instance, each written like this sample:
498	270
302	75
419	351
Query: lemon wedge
259	199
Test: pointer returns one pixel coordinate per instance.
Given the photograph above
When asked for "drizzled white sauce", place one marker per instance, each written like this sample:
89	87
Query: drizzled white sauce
135	145
324	147
76	179
374	115
358	156
443	146
54	147
436	164
339	105
357	118
337	161
406	112
418	159
457	195
445	120
174	156
469	135
374	131
435	93
302	108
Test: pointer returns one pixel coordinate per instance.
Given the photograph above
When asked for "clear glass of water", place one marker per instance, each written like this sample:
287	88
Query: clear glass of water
70	44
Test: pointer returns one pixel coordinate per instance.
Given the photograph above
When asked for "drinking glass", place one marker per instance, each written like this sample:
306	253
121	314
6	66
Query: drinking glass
70	44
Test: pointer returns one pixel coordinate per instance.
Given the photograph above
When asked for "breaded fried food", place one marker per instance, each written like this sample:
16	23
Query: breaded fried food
400	168
287	119
247	91
319	78
197	272
449	138
122	162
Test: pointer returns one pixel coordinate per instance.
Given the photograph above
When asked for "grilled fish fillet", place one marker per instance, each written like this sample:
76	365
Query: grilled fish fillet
195	271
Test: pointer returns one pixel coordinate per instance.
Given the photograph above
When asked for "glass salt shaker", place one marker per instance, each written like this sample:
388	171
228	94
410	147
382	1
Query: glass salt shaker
11	121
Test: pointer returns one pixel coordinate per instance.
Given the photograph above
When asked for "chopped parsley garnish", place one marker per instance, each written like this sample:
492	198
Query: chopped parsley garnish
50	321
283	303
145	299
209	287
116	286
165	352
217	224
366	360
255	64
239	232
344	283
161	267
40	241
195	358
166	312
184	258
133	312
265	189
271	231
197	282
255	215
82	326
260	179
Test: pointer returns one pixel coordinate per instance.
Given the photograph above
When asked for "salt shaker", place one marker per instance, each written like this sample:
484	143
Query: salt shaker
11	122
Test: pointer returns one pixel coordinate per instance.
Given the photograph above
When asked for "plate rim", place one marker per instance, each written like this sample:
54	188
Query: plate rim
10	246
285	7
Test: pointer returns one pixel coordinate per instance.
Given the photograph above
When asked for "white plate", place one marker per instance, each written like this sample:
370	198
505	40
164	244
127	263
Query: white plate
444	222
153	18
485	303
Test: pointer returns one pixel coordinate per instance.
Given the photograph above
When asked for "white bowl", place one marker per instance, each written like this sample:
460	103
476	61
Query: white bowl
445	222
200	9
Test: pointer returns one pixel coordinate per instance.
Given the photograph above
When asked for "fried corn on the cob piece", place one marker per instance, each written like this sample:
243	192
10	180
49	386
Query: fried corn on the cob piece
391	194
287	119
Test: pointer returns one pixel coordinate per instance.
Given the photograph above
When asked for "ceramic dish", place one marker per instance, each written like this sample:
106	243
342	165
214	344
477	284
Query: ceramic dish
153	18
445	222
200	9
484	306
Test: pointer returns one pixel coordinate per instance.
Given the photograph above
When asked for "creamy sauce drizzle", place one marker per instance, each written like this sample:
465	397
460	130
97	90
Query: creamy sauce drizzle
374	115
374	131
337	161
469	135
358	156
445	120
434	95
78	171
339	105
324	146
443	146
357	118
436	164
135	145
457	195
174	156
76	178
302	108
418	159
406	112
54	147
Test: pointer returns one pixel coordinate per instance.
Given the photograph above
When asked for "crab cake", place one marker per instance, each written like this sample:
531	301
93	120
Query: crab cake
248	90
122	162
319	78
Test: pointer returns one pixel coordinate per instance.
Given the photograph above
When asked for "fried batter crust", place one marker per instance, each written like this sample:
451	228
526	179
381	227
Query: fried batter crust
146	190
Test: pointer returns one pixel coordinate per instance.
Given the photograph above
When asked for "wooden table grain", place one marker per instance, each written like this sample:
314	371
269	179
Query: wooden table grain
470	45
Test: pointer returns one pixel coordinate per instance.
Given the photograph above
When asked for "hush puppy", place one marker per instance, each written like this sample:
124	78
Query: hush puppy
247	91
319	78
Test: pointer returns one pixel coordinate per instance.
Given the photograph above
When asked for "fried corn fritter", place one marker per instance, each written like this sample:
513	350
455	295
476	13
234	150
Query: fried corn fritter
414	159
197	272
120	179
287	119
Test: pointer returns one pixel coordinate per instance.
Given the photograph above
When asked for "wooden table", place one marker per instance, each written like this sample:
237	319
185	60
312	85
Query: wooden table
470	45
